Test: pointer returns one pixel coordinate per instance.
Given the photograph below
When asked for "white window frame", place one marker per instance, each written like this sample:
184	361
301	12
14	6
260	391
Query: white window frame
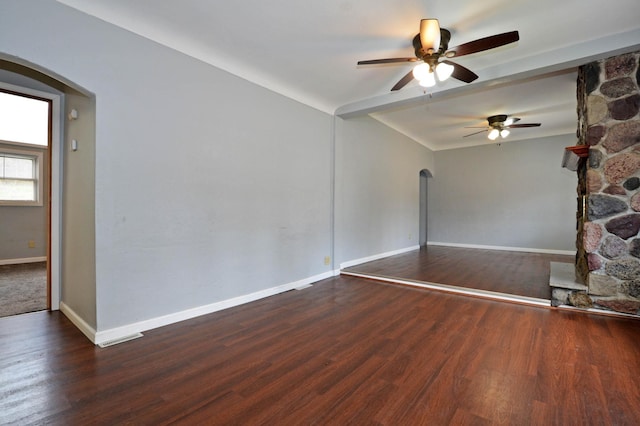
39	176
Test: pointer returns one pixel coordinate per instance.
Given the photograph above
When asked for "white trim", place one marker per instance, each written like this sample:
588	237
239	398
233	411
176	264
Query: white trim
485	294
82	325
23	260
55	221
355	262
598	311
522	249
138	327
20	145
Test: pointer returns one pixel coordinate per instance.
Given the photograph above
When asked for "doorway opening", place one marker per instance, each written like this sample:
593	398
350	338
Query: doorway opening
25	200
423	216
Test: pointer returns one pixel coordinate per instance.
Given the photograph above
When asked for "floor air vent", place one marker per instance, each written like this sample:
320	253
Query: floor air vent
119	340
304	286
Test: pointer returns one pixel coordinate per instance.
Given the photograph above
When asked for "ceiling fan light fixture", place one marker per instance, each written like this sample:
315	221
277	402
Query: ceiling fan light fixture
429	80
444	71
499	125
432	43
430	34
421	71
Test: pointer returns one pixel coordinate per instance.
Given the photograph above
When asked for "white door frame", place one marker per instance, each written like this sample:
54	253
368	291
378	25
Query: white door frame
55	218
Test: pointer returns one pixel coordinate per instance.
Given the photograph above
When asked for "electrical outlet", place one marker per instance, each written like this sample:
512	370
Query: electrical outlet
327	260
32	244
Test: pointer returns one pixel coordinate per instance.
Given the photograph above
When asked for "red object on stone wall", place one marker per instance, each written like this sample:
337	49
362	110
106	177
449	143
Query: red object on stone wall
581	151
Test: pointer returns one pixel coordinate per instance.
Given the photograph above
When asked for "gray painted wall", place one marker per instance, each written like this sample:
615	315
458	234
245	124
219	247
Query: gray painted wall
78	204
207	187
377	188
511	195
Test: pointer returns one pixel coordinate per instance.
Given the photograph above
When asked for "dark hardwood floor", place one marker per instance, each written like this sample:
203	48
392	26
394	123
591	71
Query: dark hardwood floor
508	272
345	351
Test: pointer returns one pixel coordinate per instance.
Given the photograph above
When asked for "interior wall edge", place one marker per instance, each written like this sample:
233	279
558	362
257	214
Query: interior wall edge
77	320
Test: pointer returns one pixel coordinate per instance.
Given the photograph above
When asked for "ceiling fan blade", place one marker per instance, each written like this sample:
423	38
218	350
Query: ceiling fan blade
387	61
403	81
461	73
482	44
475	133
430	34
515	126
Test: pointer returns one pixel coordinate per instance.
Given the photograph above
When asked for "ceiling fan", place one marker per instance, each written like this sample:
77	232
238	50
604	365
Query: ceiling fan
431	45
499	125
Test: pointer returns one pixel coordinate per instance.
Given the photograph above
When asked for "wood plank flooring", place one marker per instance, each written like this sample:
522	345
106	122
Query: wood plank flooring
508	272
345	351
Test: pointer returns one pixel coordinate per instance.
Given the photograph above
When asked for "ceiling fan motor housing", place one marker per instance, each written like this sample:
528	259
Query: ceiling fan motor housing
497	120
445	36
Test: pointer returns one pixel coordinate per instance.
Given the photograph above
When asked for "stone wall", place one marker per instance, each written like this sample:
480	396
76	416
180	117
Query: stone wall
609	122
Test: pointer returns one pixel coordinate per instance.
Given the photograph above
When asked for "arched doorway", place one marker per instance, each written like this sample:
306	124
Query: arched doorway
71	222
51	190
425	174
25	153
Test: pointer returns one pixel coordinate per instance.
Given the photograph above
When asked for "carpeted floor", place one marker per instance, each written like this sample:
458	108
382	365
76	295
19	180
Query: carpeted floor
23	288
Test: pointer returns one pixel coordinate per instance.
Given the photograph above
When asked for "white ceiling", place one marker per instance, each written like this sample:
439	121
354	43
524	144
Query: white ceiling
308	52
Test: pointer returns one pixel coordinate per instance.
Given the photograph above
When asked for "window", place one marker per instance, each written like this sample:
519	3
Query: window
24	121
20	177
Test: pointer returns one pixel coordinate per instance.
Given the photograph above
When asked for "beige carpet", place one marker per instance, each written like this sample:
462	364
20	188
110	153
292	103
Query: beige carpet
23	288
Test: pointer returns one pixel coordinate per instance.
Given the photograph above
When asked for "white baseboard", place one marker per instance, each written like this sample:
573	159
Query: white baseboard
23	260
138	327
522	249
485	294
355	262
82	325
598	311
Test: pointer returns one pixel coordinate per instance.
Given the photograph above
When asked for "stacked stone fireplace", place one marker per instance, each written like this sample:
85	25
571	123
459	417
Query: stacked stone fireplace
607	266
